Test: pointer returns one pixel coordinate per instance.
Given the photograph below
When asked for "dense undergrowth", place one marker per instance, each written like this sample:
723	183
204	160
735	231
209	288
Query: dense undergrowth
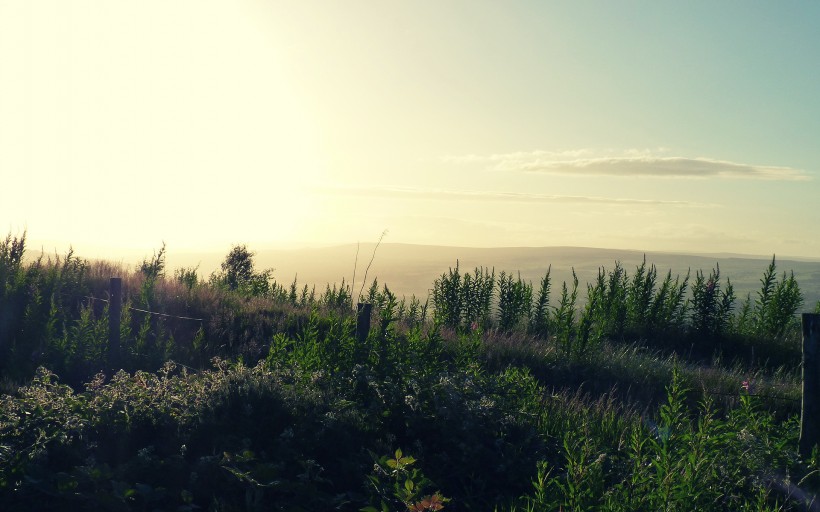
650	394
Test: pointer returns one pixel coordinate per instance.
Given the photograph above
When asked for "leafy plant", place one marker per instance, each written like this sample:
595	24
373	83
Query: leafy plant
188	277
514	301
564	316
448	298
238	274
397	484
776	304
540	318
711	306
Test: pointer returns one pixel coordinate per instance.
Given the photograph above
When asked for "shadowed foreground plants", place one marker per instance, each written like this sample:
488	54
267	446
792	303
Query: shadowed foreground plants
686	460
288	435
242	438
284	433
397	485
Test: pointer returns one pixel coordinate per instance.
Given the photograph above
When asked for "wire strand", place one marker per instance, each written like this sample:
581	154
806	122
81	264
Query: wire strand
149	312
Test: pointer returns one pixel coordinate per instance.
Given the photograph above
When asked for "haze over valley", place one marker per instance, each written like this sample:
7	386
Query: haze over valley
411	269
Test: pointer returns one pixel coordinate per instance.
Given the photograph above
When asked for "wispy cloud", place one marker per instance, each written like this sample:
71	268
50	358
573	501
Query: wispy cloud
476	195
634	163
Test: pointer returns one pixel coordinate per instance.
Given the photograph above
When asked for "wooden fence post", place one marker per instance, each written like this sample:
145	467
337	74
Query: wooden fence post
363	321
810	416
114	315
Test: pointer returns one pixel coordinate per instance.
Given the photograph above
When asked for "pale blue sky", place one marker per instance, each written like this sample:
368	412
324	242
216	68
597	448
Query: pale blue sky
639	125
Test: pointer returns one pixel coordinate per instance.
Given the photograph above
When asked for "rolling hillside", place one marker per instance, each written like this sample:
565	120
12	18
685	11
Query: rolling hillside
411	269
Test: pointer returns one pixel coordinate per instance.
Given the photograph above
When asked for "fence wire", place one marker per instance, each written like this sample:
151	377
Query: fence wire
149	312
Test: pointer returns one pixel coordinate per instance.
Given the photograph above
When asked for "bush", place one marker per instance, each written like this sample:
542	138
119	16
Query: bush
238	274
711	306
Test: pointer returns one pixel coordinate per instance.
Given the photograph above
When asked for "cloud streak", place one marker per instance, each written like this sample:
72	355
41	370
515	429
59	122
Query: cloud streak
632	163
475	195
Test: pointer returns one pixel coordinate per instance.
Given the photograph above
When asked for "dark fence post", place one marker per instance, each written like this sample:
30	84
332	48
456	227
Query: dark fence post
114	315
810	416
363	321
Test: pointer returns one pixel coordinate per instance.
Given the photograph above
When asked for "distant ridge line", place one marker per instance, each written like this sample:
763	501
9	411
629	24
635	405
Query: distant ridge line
719	255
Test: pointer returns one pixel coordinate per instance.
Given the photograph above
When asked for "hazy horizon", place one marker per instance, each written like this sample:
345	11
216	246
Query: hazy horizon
410	269
683	128
366	249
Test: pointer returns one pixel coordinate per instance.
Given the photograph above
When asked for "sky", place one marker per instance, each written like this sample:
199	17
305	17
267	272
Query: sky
657	126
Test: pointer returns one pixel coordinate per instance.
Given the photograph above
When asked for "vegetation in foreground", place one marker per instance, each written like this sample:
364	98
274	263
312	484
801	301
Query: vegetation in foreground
651	395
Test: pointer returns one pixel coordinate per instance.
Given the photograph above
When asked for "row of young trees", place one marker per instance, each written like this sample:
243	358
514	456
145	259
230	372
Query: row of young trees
618	306
54	311
48	313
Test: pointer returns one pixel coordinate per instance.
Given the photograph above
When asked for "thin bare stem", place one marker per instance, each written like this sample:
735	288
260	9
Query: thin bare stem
355	265
368	265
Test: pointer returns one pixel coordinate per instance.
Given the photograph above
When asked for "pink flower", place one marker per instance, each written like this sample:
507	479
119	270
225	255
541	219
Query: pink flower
747	385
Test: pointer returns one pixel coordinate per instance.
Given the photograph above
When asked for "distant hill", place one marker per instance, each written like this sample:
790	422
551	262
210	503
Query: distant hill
411	269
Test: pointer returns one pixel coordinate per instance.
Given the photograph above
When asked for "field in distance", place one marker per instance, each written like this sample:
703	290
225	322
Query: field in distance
411	269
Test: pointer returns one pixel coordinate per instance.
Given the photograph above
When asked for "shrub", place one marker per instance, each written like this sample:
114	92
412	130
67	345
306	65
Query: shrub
448	298
776	304
564	316
540	318
514	301
238	274
711	306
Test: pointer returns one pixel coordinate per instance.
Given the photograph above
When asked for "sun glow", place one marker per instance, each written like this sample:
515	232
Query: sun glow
206	123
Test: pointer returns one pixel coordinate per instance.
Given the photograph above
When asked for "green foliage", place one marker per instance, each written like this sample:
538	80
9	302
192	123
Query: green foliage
238	267
639	295
188	277
413	314
669	306
38	303
396	484
238	274
620	308
606	308
152	438
540	320
776	304
463	301
372	296
415	390
448	299
514	301
297	430
477	295
711	306
84	343
340	299
152	270
683	462
564	316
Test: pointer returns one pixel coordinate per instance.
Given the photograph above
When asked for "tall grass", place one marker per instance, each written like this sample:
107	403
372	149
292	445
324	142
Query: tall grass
679	461
696	317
